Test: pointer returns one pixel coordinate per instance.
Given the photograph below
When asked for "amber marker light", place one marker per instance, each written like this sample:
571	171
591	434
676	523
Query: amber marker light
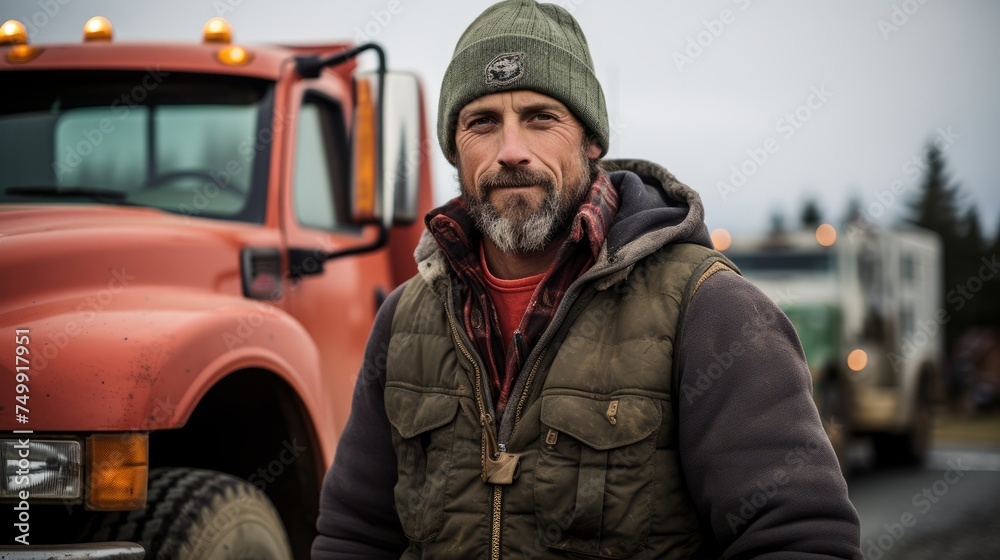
857	360
12	32
218	30
19	54
97	30
117	471
826	235
365	154
234	56
722	239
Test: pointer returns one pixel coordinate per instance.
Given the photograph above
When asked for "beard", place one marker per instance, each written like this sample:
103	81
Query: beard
520	228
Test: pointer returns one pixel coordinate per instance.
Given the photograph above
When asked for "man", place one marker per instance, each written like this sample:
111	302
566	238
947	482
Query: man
574	372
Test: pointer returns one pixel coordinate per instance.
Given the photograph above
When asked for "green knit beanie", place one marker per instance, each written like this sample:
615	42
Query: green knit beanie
520	44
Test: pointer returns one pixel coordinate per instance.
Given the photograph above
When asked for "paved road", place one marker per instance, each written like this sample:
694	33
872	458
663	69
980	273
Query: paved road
948	510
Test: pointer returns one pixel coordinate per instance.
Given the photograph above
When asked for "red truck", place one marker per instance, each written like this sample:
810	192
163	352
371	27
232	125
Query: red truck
194	240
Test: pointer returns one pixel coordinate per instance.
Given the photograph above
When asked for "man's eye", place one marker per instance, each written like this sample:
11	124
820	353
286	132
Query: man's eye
544	117
480	122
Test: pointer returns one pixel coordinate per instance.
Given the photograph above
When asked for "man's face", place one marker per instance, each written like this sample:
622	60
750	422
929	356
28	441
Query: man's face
524	167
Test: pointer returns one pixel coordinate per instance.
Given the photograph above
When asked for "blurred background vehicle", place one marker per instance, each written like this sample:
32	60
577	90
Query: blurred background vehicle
867	310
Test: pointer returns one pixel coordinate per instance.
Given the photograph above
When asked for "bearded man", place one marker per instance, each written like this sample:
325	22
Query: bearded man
575	371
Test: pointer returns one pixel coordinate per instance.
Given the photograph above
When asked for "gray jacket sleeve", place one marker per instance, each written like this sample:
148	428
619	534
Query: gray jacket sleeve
357	514
755	457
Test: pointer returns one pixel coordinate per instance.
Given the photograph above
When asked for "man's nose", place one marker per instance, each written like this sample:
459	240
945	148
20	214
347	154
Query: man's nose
513	148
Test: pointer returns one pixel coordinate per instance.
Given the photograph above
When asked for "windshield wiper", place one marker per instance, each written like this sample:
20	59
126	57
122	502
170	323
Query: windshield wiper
100	195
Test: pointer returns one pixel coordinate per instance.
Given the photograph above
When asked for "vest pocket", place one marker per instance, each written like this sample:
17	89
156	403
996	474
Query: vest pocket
423	435
594	476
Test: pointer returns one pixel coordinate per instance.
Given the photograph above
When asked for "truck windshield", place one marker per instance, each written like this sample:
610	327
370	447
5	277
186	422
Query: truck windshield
184	143
783	262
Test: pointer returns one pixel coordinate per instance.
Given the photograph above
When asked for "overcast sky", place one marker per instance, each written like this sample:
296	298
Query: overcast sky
695	85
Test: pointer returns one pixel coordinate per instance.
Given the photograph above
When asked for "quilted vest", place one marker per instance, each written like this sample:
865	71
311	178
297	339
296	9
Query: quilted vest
594	467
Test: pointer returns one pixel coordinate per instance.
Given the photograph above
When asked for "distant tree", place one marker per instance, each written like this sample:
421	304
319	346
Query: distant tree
970	233
970	249
995	246
936	204
992	255
936	207
811	217
777	223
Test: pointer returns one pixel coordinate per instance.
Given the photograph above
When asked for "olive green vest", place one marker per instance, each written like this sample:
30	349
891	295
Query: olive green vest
595	469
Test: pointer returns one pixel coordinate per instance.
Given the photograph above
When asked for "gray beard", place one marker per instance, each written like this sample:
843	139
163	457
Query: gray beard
521	230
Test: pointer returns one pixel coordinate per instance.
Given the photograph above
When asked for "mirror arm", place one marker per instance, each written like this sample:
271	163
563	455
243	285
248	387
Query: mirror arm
306	262
310	65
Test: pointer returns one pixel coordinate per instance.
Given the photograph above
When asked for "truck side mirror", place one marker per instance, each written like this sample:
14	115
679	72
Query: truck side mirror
385	140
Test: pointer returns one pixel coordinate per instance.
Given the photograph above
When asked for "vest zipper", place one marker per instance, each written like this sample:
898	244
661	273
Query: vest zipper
524	393
497	513
484	420
475	366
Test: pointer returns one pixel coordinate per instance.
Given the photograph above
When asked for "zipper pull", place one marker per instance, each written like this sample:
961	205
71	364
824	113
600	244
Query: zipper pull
499	467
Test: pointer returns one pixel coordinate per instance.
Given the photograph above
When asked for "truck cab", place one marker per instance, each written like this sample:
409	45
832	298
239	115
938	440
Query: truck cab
867	309
196	239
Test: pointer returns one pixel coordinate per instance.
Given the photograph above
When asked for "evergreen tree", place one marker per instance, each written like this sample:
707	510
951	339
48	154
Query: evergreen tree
853	213
991	288
970	249
971	234
777	223
936	207
811	217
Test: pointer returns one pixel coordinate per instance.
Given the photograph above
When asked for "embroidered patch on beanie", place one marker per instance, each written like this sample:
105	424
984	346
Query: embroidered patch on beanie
505	68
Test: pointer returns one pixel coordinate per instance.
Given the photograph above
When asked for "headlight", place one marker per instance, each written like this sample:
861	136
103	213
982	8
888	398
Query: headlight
45	468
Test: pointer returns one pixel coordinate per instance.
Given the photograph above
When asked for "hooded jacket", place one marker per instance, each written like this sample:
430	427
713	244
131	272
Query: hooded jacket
755	474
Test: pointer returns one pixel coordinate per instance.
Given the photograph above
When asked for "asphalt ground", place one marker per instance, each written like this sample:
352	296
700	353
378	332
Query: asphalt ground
947	510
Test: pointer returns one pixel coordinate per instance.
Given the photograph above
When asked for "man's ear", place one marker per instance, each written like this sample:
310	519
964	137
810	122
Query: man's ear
593	149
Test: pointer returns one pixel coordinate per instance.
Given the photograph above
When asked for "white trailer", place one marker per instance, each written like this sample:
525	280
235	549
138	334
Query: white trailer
867	308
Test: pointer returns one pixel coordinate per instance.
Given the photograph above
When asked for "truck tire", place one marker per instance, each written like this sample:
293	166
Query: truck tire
194	514
910	448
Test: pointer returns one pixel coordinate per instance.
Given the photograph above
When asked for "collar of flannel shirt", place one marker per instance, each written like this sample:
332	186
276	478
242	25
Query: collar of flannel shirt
455	232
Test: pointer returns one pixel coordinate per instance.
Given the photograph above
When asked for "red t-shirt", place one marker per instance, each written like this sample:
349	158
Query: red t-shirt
510	298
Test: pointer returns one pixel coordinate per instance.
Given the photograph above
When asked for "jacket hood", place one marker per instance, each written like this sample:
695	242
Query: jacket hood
655	209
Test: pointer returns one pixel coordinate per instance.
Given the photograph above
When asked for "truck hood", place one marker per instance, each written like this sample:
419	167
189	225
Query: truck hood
125	309
62	252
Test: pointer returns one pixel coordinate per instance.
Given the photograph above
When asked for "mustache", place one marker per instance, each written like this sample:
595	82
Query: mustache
508	177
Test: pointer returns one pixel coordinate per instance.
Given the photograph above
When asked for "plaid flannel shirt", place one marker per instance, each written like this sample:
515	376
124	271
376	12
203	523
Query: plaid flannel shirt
456	234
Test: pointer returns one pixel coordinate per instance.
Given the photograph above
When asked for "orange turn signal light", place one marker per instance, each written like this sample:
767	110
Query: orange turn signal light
118	471
364	154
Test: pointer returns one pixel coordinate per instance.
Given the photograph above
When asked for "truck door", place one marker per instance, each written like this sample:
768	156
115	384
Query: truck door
337	306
